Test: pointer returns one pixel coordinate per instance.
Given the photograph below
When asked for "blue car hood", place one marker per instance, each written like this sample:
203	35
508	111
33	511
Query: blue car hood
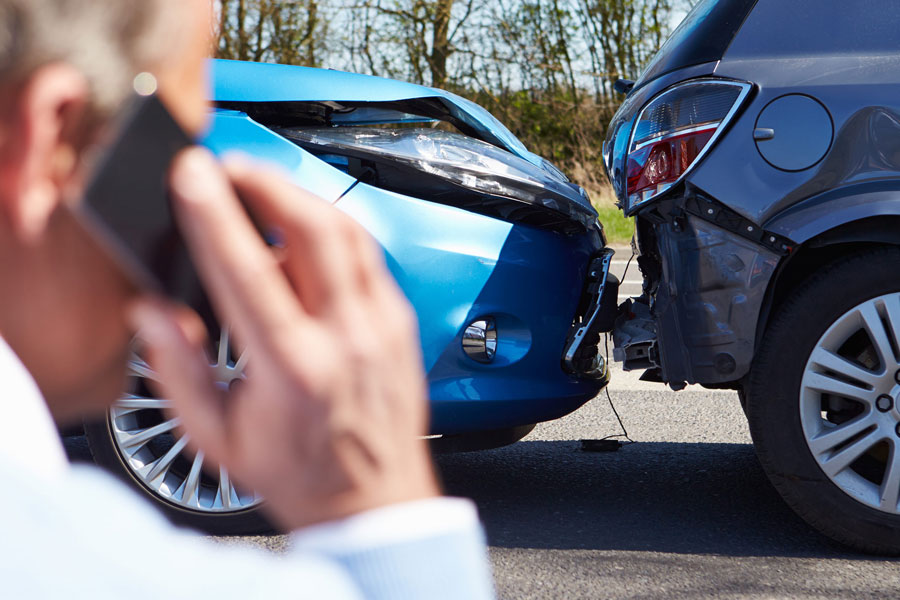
240	81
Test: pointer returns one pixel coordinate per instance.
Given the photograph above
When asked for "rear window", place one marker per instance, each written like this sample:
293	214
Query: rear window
703	36
815	27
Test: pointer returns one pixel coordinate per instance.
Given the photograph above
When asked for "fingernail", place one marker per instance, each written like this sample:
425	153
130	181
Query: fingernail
193	173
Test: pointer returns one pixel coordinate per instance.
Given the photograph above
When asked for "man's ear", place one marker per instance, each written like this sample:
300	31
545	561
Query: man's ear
39	151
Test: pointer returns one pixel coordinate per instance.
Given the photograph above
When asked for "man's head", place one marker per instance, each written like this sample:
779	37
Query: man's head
65	68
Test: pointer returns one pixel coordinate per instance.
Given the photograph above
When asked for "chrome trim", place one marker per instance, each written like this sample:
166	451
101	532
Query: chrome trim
610	146
575	344
605	151
678	132
723	125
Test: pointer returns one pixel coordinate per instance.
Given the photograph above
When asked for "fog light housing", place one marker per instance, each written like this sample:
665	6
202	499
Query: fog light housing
479	340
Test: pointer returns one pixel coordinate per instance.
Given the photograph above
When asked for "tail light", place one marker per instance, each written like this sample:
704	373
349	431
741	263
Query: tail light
674	131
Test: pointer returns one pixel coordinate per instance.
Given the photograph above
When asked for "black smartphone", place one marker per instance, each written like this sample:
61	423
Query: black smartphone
126	206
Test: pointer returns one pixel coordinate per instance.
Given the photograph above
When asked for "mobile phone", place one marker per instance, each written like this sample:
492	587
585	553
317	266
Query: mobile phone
126	205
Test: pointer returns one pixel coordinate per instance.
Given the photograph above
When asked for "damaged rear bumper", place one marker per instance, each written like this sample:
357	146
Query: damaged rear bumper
705	283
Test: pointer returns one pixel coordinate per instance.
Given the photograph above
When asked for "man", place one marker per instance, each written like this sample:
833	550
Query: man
332	438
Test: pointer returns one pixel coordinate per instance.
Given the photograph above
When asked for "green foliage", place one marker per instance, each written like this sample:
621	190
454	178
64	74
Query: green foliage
618	229
554	126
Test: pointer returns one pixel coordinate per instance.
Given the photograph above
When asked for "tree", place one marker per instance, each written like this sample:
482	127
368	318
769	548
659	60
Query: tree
272	30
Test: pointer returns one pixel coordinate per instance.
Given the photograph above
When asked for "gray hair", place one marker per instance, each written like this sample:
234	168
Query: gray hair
109	41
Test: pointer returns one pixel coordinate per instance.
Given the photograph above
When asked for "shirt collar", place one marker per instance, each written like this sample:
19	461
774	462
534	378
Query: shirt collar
31	440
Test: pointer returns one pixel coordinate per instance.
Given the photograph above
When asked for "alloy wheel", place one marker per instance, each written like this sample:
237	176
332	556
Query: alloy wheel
850	403
154	449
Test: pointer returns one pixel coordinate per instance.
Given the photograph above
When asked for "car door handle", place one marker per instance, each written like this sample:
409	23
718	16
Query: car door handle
761	134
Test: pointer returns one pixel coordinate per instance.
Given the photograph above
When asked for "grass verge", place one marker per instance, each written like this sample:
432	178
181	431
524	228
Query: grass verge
618	228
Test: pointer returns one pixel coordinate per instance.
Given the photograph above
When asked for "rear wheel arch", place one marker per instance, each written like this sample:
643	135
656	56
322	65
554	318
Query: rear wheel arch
808	258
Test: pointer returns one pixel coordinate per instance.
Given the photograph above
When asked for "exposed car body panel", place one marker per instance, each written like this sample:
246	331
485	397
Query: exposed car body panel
715	284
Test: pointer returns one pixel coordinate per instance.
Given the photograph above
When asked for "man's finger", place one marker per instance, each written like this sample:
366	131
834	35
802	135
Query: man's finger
372	272
320	260
184	374
246	284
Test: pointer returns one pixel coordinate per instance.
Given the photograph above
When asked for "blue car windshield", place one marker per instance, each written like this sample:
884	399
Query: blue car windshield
703	36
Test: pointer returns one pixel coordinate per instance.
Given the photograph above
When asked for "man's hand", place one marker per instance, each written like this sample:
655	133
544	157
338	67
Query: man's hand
329	421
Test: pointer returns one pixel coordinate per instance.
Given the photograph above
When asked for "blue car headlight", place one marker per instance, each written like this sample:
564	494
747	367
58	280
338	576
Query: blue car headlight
452	168
674	131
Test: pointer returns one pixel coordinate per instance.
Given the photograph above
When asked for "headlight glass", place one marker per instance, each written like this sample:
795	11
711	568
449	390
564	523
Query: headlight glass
674	131
469	164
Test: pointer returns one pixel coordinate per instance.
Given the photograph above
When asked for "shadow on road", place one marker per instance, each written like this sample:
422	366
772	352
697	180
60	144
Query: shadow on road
682	498
691	498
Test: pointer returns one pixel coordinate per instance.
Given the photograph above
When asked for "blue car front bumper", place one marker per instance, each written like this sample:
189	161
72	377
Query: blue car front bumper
456	267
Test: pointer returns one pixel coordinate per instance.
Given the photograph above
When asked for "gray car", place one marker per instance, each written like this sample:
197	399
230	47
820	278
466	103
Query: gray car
760	154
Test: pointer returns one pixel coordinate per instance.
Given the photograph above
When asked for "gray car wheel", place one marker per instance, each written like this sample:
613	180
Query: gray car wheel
849	407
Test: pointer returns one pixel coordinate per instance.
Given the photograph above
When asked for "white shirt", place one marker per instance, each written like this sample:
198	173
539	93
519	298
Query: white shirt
74	531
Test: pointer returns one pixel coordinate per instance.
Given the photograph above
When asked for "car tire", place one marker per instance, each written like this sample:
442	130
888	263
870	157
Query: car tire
107	455
818	429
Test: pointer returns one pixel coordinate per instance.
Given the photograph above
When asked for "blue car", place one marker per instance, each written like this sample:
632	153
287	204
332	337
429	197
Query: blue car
502	257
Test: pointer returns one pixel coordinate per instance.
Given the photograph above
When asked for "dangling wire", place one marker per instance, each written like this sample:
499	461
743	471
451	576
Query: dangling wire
628	264
624	433
612	443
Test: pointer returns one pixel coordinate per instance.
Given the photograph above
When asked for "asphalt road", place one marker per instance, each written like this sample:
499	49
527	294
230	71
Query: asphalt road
685	512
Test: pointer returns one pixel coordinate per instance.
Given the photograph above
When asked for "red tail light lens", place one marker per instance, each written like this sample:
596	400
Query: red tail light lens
674	131
653	168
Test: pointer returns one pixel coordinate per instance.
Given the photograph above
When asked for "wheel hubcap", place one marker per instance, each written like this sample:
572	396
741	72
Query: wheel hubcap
154	449
849	403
